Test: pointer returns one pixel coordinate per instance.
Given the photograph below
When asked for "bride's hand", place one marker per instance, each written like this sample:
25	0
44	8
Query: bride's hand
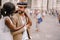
26	26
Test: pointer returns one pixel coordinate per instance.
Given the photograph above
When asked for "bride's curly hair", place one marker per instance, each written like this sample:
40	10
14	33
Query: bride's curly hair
8	9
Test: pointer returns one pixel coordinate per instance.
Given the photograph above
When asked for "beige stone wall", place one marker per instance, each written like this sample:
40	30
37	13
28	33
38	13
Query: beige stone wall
40	4
52	4
58	5
4	1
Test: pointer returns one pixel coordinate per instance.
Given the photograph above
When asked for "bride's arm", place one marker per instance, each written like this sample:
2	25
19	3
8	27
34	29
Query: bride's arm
9	23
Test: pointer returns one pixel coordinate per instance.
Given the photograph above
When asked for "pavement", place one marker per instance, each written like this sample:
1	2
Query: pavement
49	29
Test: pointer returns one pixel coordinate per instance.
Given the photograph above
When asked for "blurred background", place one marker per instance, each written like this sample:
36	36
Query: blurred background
50	27
40	4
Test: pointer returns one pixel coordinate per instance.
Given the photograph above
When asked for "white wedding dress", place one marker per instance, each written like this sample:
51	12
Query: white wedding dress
4	31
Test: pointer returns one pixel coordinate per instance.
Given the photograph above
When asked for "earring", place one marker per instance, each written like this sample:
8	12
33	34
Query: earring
5	12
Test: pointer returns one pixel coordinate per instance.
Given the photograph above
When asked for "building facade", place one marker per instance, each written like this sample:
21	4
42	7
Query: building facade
39	4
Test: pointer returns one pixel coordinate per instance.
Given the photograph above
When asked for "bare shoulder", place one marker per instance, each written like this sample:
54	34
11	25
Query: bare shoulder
7	18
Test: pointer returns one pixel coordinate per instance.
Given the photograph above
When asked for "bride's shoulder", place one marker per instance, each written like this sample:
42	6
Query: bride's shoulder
7	17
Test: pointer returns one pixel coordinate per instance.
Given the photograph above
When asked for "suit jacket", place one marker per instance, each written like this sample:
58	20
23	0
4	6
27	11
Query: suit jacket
16	19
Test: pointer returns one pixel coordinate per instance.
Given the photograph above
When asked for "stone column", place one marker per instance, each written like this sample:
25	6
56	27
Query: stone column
4	1
52	4
34	4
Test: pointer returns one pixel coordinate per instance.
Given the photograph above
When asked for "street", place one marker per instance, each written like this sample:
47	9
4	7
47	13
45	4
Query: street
49	29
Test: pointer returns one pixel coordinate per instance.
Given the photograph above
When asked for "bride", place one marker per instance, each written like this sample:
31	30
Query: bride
8	9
